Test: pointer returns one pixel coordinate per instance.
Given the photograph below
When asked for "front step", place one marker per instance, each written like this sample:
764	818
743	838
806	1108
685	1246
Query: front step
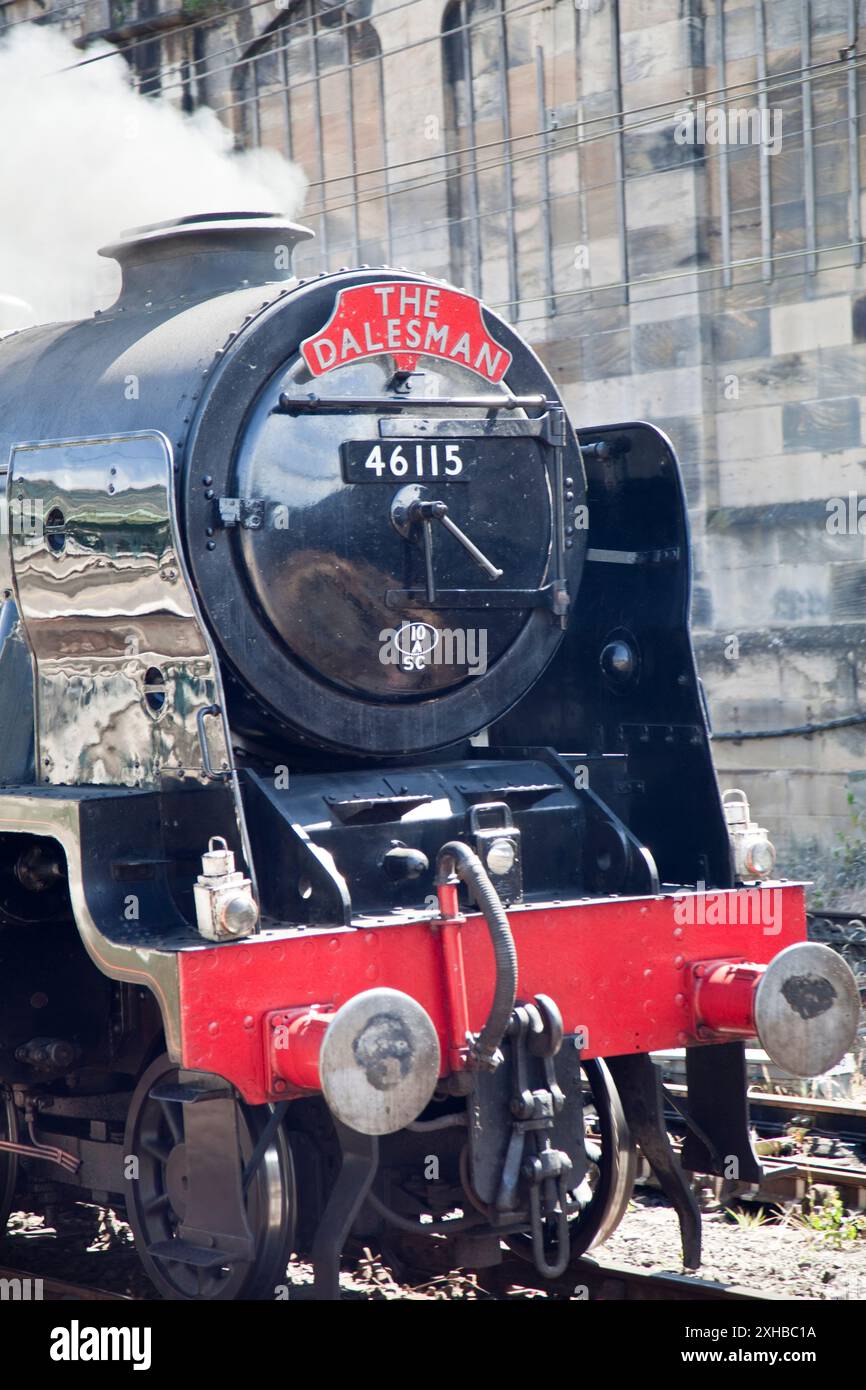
191	1092
183	1252
214	1229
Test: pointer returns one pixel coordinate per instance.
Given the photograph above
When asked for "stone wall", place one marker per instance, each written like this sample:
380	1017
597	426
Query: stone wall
757	373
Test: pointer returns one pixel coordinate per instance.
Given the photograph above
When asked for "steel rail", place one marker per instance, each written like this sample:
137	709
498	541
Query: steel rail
603	1280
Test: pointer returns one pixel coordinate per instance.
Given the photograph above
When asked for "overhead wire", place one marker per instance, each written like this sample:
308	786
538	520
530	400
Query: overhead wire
213	18
799	253
576	312
282	26
391	190
42	19
845	721
586	189
839	68
329	31
737	90
788	78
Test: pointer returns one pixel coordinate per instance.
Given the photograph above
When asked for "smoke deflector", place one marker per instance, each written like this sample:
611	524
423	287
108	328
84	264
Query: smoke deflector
206	254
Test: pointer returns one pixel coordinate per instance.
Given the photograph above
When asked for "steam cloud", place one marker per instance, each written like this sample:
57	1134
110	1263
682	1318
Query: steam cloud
82	157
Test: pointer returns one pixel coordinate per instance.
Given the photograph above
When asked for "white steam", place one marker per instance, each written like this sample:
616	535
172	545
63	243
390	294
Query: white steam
82	157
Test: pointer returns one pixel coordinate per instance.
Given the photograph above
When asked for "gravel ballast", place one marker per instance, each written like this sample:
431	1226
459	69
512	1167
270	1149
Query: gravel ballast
785	1260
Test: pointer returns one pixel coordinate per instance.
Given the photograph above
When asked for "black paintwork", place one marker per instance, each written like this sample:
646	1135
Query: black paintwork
657	721
298	604
598	747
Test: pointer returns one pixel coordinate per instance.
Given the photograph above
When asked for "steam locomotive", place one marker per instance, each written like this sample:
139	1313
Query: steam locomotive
359	833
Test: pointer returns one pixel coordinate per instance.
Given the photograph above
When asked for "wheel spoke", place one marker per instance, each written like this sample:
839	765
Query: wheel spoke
174	1119
158	1202
155	1146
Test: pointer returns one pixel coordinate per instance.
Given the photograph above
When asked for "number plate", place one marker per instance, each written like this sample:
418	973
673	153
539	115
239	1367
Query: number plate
411	460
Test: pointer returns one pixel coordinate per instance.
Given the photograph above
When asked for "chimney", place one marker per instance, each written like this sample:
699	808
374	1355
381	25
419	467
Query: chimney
210	253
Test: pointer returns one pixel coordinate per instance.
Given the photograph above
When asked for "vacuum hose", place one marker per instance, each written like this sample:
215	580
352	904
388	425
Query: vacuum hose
458	859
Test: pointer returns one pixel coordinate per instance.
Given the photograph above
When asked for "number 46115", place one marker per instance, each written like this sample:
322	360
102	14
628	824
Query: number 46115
423	460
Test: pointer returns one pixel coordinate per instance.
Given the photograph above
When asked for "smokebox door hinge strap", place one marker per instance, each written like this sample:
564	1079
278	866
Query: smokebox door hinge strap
248	512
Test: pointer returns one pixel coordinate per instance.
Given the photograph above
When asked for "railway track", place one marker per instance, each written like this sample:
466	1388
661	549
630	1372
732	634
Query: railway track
768	1111
790	1178
846	933
601	1280
844	1120
597	1280
789	1181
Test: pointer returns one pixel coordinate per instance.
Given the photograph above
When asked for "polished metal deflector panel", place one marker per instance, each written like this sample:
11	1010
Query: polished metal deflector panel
123	664
127	686
111	619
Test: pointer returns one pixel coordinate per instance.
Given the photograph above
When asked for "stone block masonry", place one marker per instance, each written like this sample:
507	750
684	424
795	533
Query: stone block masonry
532	154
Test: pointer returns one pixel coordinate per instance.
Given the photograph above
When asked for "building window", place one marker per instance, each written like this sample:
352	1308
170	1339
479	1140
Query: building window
142	46
311	87
510	83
